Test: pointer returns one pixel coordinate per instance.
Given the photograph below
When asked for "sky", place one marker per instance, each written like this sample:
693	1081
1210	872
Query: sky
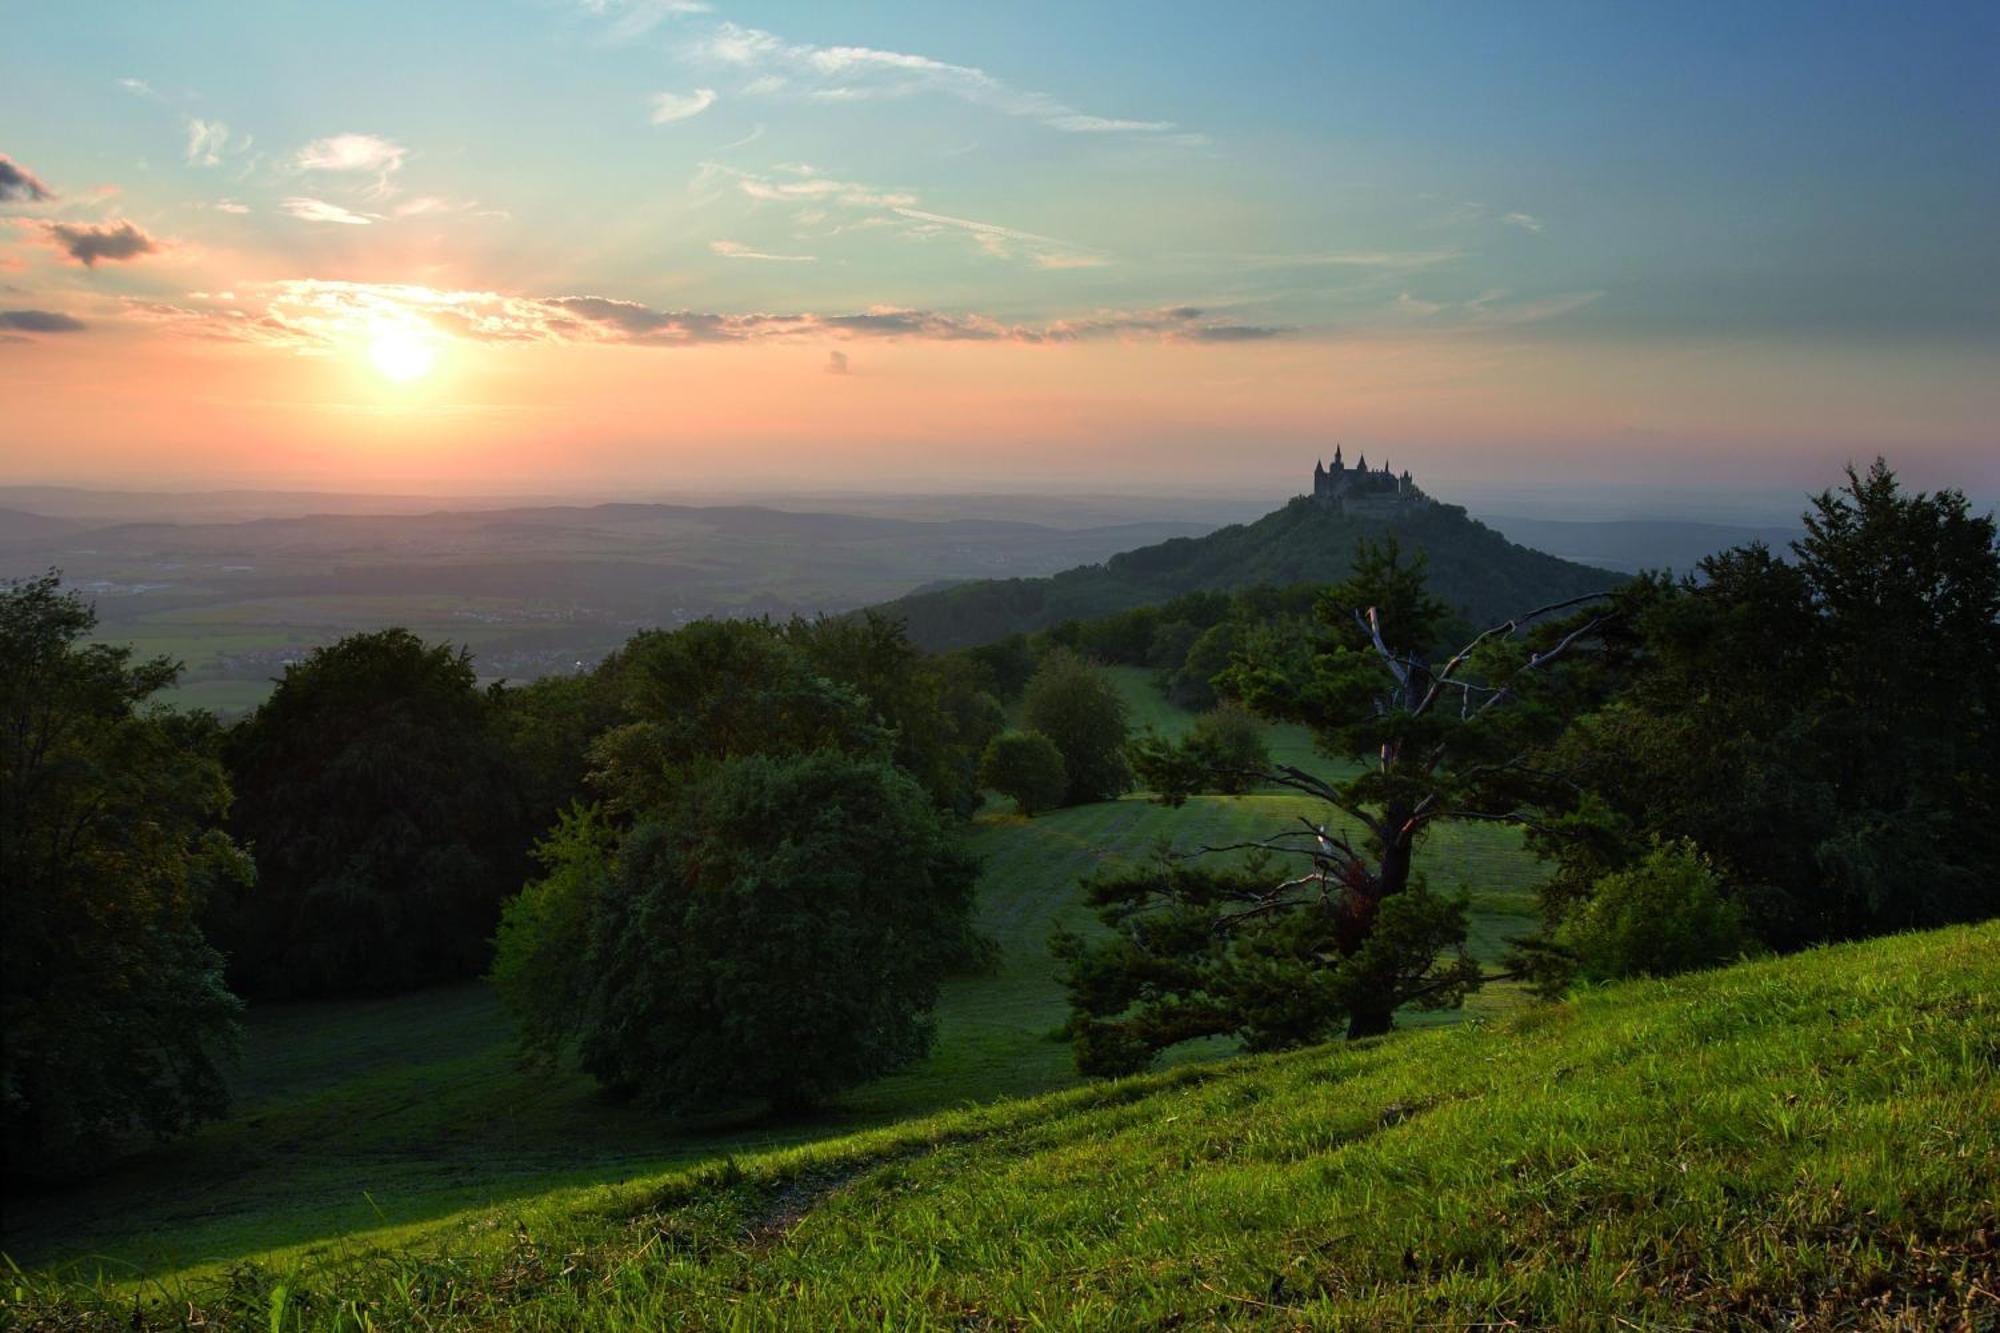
642	246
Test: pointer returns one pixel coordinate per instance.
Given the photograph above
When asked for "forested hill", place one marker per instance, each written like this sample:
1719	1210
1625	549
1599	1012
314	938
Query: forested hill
1480	573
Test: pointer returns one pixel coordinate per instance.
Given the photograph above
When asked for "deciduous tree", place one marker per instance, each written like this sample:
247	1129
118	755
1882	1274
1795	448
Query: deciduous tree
114	1009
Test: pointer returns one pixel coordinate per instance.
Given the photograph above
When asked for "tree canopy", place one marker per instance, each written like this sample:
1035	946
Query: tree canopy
778	932
381	802
1822	728
1079	708
113	1004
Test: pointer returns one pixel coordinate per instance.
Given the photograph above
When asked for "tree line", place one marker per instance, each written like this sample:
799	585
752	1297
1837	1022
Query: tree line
723	864
1763	754
727	865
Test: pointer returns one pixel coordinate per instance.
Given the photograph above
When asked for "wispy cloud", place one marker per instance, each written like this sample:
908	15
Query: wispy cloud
314	316
1057	262
1495	308
738	250
231	206
850	73
670	107
17	183
803	184
94	243
808	189
1525	221
836	363
368	153
1002	242
307	209
631	19
208	142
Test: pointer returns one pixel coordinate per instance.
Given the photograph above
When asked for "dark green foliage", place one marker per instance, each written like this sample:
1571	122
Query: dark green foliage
713	691
1026	766
1224	751
544	933
760	873
940	716
1206	950
1342	934
549	725
1190	682
1824	729
1477	572
778	932
1004	665
114	1010
1669	913
1077	706
378	794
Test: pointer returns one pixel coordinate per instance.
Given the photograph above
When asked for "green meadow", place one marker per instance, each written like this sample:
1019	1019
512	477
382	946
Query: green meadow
1810	1142
387	1117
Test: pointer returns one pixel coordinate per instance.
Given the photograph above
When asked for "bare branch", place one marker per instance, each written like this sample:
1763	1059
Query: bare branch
1372	623
1543	659
1505	628
1285	775
1519	818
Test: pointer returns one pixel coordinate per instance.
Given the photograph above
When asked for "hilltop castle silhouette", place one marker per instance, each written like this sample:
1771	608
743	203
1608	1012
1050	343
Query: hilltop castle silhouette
1357	490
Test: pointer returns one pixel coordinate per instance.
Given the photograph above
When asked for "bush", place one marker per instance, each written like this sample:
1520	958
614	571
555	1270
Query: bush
1026	766
545	933
1229	742
778	932
1077	706
1667	914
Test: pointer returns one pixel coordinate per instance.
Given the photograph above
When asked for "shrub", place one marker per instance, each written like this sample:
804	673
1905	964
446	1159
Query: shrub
1077	706
545	933
1667	914
1026	766
778	932
1229	742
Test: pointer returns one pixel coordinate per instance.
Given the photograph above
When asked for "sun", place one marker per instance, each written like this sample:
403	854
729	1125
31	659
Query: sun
402	355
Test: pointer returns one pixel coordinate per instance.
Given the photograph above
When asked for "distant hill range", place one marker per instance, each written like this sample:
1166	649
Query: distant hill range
1632	544
623	564
1480	573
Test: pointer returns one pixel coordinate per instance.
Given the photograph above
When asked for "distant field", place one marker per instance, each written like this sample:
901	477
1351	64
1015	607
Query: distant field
361	1117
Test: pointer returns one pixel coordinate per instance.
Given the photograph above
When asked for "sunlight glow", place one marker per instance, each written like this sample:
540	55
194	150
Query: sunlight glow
402	355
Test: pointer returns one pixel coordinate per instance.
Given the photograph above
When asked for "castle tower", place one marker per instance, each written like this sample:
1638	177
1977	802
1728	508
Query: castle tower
1338	466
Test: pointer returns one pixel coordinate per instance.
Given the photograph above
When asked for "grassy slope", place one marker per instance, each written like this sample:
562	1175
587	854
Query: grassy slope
355	1117
1808	1142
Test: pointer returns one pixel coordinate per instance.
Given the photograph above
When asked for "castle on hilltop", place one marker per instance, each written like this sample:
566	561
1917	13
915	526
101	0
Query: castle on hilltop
1358	490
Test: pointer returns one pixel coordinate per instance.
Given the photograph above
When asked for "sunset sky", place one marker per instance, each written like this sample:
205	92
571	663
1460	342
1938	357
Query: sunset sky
646	245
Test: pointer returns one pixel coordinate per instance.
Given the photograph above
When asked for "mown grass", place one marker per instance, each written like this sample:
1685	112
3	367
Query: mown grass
1811	1142
372	1121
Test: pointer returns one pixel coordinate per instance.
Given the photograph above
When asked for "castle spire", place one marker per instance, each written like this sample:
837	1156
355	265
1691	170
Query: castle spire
1362	466
1337	464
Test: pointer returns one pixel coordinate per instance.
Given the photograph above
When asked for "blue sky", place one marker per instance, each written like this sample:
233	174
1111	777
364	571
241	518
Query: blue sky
1811	189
